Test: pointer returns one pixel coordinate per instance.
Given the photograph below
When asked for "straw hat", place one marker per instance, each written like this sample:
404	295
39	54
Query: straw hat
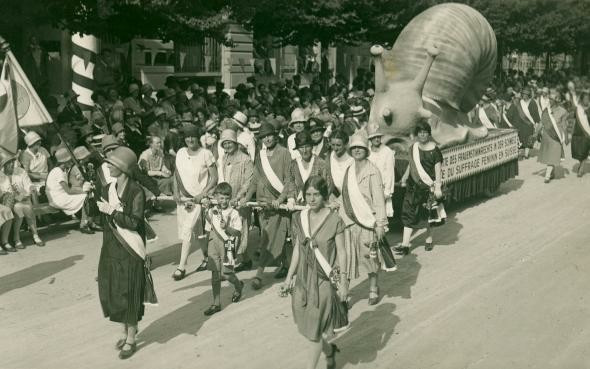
374	130
357	110
123	158
31	138
62	155
297	116
210	124
358	141
228	135
81	153
240	118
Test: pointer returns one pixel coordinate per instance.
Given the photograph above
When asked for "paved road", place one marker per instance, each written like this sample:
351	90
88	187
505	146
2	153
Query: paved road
506	286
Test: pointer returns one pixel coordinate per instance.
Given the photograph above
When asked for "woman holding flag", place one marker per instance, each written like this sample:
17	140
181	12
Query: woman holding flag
124	280
423	183
553	134
363	212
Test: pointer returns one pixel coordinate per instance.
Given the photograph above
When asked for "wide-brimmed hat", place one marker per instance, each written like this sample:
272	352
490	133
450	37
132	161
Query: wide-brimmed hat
210	124
303	139
228	135
31	138
62	155
117	127
81	153
298	116
316	124
357	110
358	141
109	142
123	158
266	129
6	159
373	130
240	118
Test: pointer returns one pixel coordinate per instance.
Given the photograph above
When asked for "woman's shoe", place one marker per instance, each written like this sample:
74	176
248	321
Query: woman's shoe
429	246
86	229
178	274
373	296
120	343
8	247
38	241
203	266
212	310
95	227
237	295
125	352
3	252
19	245
331	358
402	250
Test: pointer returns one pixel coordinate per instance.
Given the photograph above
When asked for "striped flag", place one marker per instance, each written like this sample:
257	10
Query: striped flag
8	119
30	109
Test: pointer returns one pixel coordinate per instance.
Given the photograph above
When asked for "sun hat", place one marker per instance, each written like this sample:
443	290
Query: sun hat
298	116
303	139
240	118
358	141
117	127
123	158
109	142
210	124
81	153
31	138
266	129
373	130
228	135
190	130
62	155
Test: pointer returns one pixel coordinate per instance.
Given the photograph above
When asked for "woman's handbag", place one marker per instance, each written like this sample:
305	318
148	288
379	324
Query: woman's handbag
389	263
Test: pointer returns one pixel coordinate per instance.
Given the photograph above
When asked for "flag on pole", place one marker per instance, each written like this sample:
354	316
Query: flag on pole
8	117
30	109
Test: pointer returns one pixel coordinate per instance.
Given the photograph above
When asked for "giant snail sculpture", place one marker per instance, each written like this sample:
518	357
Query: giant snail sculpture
438	69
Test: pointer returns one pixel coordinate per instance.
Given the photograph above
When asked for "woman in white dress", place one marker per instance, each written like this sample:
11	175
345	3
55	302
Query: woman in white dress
194	178
61	196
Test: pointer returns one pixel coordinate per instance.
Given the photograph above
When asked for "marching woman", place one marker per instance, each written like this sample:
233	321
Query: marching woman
124	280
195	176
338	161
319	261
423	183
553	134
363	212
581	134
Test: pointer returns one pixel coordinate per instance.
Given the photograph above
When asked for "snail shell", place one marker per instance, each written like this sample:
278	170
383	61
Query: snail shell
467	60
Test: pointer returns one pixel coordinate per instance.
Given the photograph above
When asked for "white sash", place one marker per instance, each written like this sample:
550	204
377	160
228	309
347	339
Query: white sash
583	119
426	178
107	173
361	209
525	110
291	146
483	117
338	169
216	223
554	123
326	267
132	238
220	168
270	174
305	173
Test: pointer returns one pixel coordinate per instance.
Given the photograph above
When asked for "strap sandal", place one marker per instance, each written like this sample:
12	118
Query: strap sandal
203	265
256	283
428	246
402	250
179	274
125	352
212	310
373	296
237	295
19	245
120	343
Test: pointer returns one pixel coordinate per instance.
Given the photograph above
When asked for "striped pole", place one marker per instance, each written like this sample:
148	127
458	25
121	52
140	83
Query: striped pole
84	56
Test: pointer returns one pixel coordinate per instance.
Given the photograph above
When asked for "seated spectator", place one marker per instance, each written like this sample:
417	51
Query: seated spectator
61	196
15	181
5	224
157	165
35	161
119	133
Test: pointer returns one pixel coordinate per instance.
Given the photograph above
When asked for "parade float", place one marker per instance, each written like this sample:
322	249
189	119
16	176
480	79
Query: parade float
438	70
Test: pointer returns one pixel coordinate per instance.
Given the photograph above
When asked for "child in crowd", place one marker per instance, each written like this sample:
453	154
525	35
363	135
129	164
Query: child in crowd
224	225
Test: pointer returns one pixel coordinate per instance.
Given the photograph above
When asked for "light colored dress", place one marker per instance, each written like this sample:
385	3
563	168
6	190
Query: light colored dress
58	197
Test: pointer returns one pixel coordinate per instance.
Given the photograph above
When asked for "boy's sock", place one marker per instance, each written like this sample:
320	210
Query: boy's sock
216	288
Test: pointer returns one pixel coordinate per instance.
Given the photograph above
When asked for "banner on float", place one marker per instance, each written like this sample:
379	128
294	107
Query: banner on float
462	161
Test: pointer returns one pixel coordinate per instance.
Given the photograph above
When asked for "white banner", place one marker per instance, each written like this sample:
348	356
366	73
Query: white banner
461	161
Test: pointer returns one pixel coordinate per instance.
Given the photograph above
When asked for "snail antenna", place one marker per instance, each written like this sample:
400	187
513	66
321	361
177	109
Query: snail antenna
380	80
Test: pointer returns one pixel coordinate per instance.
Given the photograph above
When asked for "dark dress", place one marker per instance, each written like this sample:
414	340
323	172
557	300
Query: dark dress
414	213
580	142
312	297
121	278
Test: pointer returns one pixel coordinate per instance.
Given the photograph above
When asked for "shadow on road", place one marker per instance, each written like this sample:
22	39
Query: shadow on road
35	273
189	318
368	335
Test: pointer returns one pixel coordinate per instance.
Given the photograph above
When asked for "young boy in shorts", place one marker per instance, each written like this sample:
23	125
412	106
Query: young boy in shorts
224	225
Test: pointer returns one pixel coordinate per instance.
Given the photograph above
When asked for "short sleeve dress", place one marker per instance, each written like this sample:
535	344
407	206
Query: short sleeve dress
312	295
414	212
